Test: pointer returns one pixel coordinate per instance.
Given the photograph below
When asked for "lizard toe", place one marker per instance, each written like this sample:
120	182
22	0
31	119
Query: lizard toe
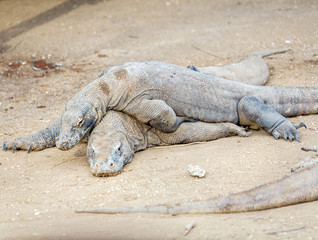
300	125
14	148
290	136
297	137
284	136
30	147
244	133
276	135
5	146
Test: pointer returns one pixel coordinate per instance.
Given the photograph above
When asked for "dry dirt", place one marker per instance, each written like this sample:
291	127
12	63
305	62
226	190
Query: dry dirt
41	190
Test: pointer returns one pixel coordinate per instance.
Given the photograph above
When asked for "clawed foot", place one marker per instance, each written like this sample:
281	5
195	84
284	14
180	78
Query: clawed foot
243	132
287	130
18	144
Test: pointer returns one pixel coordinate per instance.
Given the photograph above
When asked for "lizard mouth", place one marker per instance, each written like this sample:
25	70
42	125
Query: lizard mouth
107	174
70	143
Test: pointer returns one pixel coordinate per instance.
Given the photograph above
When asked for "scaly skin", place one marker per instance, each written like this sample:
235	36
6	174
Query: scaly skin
298	187
165	95
118	136
38	140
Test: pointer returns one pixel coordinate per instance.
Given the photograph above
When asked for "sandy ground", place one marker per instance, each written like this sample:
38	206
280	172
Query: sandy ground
41	190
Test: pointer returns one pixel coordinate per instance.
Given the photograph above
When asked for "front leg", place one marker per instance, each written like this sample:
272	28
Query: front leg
253	111
157	114
40	140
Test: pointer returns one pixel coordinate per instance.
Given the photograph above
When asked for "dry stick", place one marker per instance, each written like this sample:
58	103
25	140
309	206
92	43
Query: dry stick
10	50
63	161
210	54
179	145
287	230
312	148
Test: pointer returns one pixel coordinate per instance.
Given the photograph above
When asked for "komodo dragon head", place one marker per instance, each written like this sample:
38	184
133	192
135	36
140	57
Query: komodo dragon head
76	122
107	157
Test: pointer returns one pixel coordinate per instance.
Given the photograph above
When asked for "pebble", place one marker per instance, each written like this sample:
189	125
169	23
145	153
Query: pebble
196	171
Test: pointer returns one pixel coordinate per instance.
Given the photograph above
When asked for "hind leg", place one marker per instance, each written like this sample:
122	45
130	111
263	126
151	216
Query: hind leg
253	111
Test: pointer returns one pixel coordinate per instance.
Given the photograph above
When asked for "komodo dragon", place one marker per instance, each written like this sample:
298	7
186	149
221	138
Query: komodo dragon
165	95
257	74
118	136
294	188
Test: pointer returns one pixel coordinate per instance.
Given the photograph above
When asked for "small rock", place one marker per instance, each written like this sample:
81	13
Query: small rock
188	228
196	171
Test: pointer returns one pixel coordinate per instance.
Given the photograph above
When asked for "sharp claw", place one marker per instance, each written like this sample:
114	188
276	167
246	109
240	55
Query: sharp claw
290	136
285	136
14	148
276	135
297	138
4	146
30	148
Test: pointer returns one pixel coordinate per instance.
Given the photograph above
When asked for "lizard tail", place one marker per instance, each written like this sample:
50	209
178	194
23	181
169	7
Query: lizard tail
295	188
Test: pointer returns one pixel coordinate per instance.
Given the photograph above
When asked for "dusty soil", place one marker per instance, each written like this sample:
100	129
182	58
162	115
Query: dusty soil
41	190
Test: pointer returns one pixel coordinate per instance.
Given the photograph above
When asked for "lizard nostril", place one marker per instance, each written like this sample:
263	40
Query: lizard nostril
112	164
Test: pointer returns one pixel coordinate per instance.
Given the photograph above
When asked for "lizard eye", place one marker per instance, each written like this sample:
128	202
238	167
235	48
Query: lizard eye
91	153
118	148
79	122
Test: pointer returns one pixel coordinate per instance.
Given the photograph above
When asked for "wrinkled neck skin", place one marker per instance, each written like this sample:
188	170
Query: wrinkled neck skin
82	113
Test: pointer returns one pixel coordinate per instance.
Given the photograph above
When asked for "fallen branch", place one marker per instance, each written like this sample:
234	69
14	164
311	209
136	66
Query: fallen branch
287	230
210	54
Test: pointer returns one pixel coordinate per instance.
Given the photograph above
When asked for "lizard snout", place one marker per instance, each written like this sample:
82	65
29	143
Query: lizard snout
110	167
64	143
